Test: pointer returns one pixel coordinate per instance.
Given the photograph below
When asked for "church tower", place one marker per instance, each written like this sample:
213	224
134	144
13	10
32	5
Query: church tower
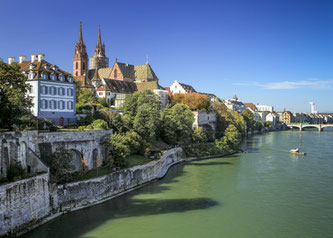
99	60
80	60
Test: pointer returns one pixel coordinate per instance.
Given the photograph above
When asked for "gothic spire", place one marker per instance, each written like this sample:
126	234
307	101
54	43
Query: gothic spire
80	41
99	46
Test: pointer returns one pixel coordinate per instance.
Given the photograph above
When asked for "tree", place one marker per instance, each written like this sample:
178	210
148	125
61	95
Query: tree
102	102
199	136
99	124
176	124
233	136
116	122
147	121
249	119
14	102
194	101
123	145
87	96
61	164
136	100
268	124
259	125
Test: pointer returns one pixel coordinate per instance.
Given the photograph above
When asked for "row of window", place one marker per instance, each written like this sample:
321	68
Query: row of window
56	105
53	77
57	91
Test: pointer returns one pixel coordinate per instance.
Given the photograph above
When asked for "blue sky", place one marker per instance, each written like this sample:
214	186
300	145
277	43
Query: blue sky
275	52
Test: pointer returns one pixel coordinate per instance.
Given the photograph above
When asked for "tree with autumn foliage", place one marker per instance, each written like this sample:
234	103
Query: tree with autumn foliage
195	101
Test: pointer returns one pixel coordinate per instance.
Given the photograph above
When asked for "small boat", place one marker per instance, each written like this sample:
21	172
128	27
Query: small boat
297	152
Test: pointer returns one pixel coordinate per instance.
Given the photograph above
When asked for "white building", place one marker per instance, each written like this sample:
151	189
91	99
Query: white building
234	104
178	87
265	108
52	89
202	118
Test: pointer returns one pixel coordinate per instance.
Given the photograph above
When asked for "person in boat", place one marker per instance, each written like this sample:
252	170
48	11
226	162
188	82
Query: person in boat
296	150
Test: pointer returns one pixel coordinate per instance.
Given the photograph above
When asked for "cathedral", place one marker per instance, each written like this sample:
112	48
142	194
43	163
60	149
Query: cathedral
112	83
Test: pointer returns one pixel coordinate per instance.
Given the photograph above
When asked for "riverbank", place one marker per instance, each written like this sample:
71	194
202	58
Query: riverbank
69	197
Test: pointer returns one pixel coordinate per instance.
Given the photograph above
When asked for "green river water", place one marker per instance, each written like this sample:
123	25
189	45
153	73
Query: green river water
266	192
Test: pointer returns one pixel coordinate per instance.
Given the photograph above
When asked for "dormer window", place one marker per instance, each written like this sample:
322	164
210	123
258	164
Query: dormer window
31	75
62	78
46	67
55	68
31	66
70	79
54	77
44	76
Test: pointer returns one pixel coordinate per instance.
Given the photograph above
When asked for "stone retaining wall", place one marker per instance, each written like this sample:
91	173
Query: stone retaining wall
23	202
83	193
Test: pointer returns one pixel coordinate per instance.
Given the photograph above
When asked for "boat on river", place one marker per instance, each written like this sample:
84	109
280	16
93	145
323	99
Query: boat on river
297	152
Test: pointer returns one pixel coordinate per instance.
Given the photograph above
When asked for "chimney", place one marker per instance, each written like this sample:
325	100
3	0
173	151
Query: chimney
22	58
33	58
11	60
40	57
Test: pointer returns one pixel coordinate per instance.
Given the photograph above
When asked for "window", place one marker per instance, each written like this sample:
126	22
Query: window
53	104
54	77
44	90
61	105
100	93
69	92
61	91
76	65
83	66
115	73
53	91
70	105
44	104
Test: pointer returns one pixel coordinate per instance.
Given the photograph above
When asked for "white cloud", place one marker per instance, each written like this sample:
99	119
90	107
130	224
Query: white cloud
314	84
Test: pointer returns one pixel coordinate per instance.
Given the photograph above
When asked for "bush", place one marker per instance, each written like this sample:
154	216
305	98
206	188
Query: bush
199	136
123	145
99	125
15	171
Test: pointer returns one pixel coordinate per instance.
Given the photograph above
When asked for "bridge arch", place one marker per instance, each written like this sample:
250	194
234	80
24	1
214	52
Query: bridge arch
76	159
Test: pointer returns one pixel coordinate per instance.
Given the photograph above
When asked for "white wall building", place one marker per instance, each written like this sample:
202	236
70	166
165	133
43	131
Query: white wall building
52	89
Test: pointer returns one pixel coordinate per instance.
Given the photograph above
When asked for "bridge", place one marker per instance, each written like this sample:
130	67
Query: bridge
301	126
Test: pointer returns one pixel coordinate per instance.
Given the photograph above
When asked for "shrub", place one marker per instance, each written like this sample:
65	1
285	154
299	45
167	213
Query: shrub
99	124
15	171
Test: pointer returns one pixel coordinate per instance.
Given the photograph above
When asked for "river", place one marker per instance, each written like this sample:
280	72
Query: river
266	192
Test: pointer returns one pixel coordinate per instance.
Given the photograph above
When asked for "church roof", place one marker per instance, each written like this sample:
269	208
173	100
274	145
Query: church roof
141	86
104	72
119	86
144	71
127	70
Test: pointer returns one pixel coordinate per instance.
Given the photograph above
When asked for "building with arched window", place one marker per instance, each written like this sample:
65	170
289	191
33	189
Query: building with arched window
52	89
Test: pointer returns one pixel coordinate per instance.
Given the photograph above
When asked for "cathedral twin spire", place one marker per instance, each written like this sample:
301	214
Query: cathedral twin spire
98	60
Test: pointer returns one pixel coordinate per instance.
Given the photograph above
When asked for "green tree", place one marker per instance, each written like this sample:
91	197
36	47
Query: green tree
199	136
99	124
14	102
135	101
259	125
123	145
176	124
87	96
102	102
147	121
249	119
268	124
116	122
61	164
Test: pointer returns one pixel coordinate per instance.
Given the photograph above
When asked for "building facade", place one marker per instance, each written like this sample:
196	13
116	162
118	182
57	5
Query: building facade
52	89
178	87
